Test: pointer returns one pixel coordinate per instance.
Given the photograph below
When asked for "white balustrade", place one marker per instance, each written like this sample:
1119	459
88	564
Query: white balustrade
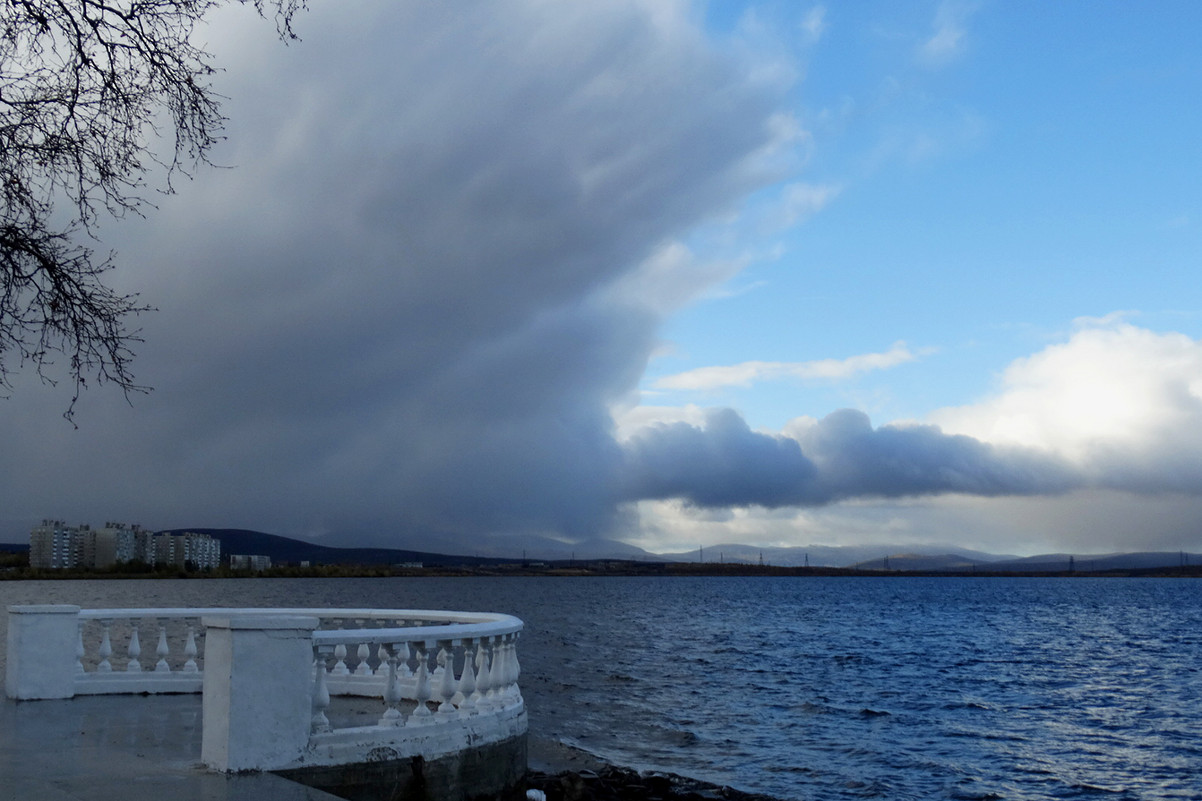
406	659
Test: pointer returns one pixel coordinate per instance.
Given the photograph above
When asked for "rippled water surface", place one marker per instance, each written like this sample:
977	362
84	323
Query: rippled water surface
824	688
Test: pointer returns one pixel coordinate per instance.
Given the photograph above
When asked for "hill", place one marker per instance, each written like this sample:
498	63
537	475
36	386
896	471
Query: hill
1043	563
924	562
934	558
285	550
825	555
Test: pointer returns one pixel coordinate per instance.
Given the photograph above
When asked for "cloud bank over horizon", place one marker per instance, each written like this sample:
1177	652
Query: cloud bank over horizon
1114	407
1114	411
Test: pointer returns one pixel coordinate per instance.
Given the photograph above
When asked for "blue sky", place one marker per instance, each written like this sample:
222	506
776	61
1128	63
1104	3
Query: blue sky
1044	169
488	276
983	176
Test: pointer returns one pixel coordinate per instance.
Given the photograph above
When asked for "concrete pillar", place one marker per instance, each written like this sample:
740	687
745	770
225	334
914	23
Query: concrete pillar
258	674
41	651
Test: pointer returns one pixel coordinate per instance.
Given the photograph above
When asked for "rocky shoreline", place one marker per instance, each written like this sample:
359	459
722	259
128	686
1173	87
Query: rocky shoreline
612	783
564	773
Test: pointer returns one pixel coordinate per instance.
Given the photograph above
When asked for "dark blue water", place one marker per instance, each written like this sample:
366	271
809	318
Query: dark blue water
826	688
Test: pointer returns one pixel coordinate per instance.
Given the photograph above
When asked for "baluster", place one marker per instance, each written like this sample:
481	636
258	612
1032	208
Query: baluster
501	669
446	684
440	662
422	691
161	651
392	691
340	668
515	667
135	649
321	694
190	651
467	681
511	666
482	674
363	652
106	648
403	665
496	672
79	650
363	669
382	659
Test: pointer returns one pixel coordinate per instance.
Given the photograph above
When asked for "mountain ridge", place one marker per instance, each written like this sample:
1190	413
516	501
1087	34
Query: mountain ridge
927	558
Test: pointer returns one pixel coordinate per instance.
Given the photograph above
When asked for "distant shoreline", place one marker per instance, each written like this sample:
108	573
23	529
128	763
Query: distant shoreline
585	569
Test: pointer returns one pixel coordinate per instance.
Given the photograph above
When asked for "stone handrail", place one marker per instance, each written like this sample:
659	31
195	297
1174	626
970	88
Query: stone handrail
268	675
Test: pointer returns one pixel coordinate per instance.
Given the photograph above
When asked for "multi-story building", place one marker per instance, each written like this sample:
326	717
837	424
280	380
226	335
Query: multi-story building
243	561
202	550
116	542
55	545
168	550
188	549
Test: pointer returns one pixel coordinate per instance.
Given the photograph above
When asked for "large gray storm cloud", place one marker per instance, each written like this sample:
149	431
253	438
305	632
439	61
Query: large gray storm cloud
840	457
395	314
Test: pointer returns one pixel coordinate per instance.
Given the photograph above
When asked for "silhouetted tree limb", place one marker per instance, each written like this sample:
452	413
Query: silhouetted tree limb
86	88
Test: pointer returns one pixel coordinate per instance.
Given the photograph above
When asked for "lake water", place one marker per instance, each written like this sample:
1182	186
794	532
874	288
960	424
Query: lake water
823	688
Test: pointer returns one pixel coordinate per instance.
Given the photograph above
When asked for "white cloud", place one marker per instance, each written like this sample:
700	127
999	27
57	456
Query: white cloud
800	201
667	526
632	419
1106	320
748	373
671	277
948	41
1111	388
813	24
1084	522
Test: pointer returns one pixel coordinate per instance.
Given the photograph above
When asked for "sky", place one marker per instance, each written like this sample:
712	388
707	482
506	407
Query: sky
671	273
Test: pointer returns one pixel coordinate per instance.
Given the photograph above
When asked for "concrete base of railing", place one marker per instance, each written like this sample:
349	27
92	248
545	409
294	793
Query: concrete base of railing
494	770
146	683
440	737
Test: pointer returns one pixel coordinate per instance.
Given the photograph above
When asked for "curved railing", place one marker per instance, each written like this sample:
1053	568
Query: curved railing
444	679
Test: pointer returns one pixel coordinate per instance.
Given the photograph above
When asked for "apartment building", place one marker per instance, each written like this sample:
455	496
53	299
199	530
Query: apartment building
54	545
243	561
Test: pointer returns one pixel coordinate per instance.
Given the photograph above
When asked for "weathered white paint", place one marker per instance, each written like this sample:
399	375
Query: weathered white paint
257	687
41	651
432	739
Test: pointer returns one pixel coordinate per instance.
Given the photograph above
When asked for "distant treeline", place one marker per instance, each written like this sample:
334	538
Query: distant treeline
15	566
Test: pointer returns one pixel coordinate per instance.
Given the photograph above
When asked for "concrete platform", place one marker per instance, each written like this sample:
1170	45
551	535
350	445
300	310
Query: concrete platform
132	748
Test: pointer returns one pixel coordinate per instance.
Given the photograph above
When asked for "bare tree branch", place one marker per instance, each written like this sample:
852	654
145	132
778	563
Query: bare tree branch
82	85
